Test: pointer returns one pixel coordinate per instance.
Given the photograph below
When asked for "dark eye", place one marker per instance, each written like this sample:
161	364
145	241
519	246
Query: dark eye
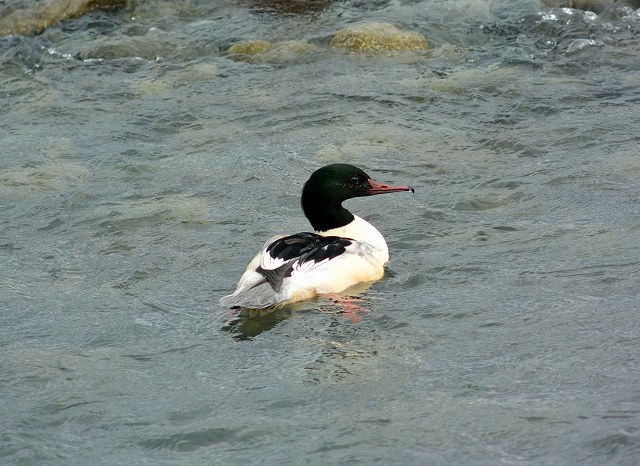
355	179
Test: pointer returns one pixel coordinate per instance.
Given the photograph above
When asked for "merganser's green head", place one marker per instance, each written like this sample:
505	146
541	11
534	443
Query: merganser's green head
329	186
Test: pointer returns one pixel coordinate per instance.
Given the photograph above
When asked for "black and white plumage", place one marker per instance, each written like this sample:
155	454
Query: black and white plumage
344	250
299	251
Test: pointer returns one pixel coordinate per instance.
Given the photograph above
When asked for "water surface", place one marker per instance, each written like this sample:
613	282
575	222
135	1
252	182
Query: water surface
141	167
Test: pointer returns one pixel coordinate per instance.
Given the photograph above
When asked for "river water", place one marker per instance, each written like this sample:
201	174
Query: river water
142	166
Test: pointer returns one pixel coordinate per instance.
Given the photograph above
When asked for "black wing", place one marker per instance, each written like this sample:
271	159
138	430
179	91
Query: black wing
299	249
308	247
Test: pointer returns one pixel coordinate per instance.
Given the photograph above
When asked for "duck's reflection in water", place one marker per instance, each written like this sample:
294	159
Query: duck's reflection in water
245	324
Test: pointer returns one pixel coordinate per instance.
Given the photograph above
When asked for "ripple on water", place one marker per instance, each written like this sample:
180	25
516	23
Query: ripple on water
481	204
191	441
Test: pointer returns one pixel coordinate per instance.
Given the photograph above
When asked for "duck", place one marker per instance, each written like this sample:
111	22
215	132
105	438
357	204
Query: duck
344	249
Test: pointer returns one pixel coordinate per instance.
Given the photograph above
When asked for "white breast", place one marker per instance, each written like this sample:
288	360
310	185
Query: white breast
361	230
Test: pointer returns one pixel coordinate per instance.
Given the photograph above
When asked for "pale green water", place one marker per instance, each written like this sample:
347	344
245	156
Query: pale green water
141	168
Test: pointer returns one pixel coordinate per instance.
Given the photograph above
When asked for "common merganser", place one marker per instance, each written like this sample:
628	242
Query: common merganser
344	250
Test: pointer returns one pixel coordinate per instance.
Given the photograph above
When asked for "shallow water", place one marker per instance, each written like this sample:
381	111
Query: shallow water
141	167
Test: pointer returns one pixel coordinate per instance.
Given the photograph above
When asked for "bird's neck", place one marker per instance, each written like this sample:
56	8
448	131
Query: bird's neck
325	216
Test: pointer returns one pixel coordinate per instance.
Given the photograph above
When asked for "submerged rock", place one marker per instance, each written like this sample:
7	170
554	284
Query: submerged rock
132	213
115	48
258	51
250	47
37	19
23	181
288	50
378	38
